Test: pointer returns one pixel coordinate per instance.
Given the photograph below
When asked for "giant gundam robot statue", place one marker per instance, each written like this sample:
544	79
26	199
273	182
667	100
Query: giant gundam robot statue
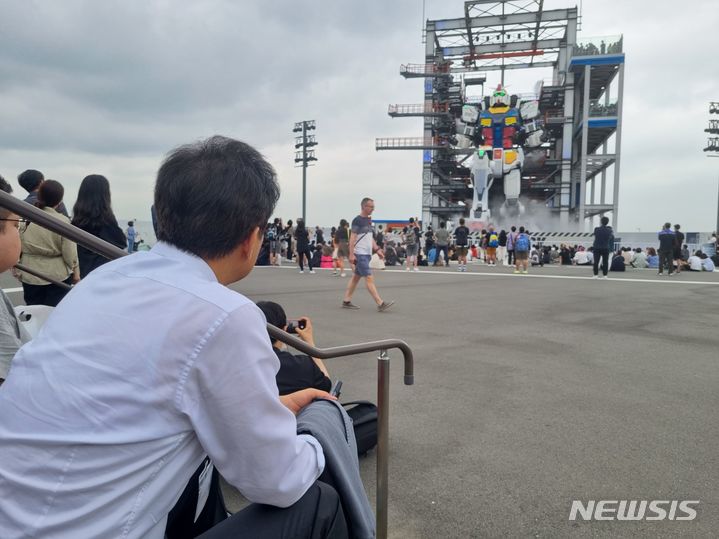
501	131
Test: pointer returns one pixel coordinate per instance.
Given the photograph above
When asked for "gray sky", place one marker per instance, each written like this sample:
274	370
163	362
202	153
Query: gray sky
109	87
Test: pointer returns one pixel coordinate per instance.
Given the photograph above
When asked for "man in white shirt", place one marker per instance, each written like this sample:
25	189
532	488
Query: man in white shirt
695	262
150	364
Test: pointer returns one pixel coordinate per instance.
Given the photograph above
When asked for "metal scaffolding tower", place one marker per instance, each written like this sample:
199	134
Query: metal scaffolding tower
581	108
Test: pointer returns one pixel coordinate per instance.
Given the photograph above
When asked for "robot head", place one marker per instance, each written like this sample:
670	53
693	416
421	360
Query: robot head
499	97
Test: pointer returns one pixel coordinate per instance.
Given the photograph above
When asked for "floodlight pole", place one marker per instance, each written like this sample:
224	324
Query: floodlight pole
305	156
713	143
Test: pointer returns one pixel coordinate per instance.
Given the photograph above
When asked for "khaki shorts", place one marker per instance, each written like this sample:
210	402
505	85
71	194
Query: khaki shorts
491	251
461	251
521	255
343	249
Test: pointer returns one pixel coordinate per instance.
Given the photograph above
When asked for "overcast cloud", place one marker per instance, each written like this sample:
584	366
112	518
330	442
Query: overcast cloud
110	86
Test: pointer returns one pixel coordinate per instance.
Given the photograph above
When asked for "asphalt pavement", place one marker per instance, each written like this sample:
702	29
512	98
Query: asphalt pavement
531	391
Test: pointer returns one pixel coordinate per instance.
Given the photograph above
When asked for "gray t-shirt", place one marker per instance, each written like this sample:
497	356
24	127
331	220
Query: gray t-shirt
442	236
362	228
12	334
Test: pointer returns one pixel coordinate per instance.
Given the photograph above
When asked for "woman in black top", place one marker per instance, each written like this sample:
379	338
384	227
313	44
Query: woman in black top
302	236
342	246
93	214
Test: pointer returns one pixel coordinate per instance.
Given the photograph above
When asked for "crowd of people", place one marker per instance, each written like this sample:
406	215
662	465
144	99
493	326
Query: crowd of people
412	247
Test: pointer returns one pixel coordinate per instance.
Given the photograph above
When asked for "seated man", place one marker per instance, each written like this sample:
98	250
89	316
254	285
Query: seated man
296	371
618	262
707	263
639	259
12	332
152	363
695	261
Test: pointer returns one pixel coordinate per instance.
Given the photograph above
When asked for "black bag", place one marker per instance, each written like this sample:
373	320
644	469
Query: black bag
364	420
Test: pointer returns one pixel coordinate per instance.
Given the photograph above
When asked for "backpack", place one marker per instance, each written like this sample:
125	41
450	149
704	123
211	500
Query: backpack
410	238
522	243
272	233
364	421
494	241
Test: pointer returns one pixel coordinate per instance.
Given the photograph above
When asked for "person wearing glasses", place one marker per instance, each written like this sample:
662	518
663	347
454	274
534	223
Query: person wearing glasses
12	333
153	364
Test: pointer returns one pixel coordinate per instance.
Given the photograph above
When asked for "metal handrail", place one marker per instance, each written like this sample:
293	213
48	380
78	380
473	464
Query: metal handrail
43	277
111	252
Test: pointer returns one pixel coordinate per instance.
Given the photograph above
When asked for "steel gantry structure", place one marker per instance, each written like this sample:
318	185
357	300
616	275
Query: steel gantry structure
581	108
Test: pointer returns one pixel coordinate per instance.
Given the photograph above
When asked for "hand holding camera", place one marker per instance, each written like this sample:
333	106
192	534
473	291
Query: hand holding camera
302	327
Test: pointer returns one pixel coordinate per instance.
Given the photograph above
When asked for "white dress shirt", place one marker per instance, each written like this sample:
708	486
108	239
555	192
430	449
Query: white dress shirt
145	367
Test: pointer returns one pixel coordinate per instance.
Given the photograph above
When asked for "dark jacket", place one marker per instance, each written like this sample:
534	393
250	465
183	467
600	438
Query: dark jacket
299	372
604	238
666	239
90	260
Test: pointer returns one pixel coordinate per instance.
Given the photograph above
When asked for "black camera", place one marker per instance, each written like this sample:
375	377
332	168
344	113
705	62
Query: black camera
293	325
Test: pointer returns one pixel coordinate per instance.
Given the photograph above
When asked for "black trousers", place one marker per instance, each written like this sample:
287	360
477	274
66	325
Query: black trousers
44	294
317	515
602	254
510	256
301	253
666	261
438	251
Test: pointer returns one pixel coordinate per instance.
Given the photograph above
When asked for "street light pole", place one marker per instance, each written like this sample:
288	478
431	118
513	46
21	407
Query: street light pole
303	157
713	143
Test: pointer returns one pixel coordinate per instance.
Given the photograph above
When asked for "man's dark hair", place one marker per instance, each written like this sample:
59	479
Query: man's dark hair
274	313
521	230
365	200
604	220
411	219
514	228
211	195
677	227
30	180
667	225
442	224
7	188
461	220
50	194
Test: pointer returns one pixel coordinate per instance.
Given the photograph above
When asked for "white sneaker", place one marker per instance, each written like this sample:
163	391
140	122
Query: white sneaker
342	274
595	277
416	269
302	271
605	277
312	271
409	269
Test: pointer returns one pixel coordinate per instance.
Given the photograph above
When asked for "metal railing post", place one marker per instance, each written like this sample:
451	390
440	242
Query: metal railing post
382	443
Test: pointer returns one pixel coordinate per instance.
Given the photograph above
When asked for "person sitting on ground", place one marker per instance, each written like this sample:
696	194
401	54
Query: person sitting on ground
652	258
628	254
618	262
153	363
707	263
695	261
639	259
326	262
581	258
296	372
12	332
536	257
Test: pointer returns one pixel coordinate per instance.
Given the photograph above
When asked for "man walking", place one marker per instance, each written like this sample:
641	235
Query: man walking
603	245
666	249
362	246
